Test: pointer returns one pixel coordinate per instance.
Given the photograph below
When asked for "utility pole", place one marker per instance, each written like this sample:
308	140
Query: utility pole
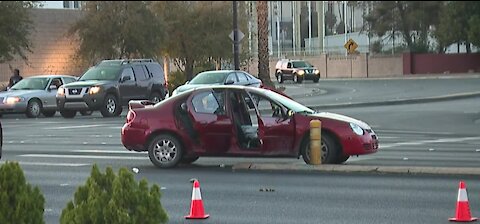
236	59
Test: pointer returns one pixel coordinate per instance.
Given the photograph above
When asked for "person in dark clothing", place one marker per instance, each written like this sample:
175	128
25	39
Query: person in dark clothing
16	77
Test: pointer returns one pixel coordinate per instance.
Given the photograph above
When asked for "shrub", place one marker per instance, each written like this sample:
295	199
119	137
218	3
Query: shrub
107	198
19	202
175	79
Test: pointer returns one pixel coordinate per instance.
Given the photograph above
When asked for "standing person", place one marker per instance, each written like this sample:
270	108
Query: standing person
14	78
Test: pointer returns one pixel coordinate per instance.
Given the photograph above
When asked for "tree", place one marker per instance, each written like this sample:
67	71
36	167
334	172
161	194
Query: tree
108	198
15	29
19	202
263	58
197	32
413	19
112	29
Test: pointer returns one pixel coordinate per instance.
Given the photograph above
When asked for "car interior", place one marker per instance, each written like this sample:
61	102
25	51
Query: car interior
247	132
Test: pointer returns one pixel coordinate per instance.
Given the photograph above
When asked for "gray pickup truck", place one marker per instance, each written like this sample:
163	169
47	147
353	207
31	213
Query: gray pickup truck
112	84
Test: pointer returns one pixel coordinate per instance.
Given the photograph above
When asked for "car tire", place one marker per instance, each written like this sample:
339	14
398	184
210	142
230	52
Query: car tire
329	150
155	97
68	113
111	106
298	79
34	108
189	160
49	113
165	151
86	112
280	77
315	80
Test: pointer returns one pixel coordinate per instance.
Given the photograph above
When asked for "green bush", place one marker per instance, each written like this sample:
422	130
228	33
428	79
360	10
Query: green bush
19	202
107	198
175	79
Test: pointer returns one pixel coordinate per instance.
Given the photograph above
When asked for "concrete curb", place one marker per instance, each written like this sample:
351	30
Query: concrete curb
358	168
399	101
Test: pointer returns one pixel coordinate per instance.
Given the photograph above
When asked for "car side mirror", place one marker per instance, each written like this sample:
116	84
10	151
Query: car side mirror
125	78
52	87
229	82
184	106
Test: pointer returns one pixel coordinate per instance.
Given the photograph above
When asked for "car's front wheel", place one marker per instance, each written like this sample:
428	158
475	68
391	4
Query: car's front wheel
329	150
315	80
111	107
165	151
34	108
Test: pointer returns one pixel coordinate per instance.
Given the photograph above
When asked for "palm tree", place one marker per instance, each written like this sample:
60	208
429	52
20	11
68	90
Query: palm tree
263	59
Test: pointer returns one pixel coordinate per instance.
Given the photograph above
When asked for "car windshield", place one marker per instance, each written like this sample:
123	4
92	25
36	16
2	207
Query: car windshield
209	78
31	83
290	104
301	64
102	73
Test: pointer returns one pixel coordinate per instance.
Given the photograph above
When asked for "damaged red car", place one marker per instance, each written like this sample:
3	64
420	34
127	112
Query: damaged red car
238	121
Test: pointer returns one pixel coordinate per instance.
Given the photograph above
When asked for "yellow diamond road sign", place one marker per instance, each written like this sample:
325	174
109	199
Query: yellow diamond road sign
351	46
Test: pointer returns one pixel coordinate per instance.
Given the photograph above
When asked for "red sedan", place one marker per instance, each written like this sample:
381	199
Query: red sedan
238	121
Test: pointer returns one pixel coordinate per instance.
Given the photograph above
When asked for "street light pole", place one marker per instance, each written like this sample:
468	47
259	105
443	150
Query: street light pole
236	59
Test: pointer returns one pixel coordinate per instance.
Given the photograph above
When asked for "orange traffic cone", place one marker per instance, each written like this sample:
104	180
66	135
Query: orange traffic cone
196	207
462	213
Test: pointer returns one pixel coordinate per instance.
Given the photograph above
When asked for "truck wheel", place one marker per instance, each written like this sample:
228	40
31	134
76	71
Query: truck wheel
86	112
68	113
34	108
280	77
155	97
49	113
111	107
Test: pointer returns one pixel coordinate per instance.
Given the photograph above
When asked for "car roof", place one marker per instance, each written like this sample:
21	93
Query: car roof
50	76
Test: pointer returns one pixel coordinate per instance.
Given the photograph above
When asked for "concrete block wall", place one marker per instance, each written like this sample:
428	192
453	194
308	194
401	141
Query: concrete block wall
53	51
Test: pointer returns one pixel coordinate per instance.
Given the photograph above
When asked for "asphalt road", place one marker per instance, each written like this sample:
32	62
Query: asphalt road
57	155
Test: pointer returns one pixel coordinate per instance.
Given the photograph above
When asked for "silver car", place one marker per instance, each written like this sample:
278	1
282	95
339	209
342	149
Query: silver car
34	95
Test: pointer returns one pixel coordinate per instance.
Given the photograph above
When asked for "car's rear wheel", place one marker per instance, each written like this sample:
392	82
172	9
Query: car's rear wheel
165	151
111	107
34	108
155	97
329	150
279	77
189	160
68	113
49	113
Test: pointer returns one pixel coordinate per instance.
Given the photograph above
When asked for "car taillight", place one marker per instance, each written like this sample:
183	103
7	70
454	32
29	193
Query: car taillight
131	116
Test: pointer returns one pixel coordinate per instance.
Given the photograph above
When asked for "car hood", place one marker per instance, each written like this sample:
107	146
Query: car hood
87	83
340	117
303	68
35	92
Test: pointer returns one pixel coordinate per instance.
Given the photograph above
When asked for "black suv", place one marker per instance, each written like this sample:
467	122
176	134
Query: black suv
110	85
296	70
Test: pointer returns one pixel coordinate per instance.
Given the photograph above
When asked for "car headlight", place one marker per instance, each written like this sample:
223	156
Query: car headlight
301	72
317	72
61	91
13	99
357	129
94	90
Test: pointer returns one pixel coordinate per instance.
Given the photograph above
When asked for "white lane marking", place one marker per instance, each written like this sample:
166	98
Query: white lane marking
78	126
440	140
83	156
107	151
50	164
412	132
